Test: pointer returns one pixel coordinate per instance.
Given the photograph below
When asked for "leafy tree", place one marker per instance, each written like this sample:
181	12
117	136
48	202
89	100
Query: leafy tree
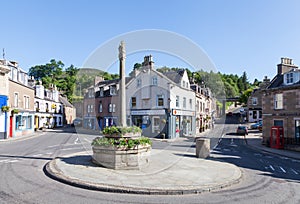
244	97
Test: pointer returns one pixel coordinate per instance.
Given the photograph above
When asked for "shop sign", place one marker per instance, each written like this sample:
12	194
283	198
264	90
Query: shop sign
183	112
148	112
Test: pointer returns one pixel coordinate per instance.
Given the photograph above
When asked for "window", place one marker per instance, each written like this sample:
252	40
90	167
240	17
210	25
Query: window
154	81
100	107
184	102
138	82
47	107
183	83
26	102
16	100
191	104
160	100
113	90
133	102
278	123
91	93
112	108
254	101
278	102
289	78
90	108
177	101
101	91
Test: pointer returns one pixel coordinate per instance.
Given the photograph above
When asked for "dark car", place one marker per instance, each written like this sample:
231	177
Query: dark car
242	130
229	114
77	122
256	125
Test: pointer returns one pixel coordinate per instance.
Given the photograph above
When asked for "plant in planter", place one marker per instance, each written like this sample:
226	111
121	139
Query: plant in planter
121	143
15	111
117	131
5	108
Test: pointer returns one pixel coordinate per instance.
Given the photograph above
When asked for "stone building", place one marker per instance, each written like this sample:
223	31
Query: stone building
4	92
254	103
281	104
21	102
160	103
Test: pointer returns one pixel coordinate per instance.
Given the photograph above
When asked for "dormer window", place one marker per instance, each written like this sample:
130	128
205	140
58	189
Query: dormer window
113	90
101	91
289	78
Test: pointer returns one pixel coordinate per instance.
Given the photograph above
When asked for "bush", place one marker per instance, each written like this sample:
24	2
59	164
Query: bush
126	143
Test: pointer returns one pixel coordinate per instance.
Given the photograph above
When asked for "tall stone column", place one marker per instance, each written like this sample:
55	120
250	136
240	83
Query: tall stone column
122	94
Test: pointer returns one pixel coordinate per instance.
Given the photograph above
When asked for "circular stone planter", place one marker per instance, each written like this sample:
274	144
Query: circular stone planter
121	158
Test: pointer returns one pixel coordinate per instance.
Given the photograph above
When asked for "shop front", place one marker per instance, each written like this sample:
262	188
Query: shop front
22	123
182	123
154	122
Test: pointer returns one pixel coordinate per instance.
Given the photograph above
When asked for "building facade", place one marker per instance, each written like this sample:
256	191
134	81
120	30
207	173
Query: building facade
160	103
4	92
21	102
281	104
254	102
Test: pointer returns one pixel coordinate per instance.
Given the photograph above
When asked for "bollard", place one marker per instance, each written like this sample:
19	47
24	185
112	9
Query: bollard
202	148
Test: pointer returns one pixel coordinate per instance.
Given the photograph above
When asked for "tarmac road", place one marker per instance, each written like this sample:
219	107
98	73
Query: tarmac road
266	178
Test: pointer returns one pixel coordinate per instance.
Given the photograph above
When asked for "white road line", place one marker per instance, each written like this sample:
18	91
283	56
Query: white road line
295	172
284	158
257	154
226	150
269	157
37	155
272	167
4	160
282	169
76	140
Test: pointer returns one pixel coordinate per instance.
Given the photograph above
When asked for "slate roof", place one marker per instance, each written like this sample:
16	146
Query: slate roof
65	101
175	76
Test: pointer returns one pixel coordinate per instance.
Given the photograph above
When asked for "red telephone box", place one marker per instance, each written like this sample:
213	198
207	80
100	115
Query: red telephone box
277	139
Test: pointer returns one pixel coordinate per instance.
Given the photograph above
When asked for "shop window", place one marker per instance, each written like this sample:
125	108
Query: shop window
18	122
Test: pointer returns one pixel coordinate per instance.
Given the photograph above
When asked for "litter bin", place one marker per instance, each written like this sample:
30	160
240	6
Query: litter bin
202	147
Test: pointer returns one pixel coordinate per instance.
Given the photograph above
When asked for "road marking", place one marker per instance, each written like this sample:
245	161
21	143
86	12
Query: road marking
293	160
231	141
272	167
76	140
269	157
284	158
226	150
295	172
257	154
282	169
37	155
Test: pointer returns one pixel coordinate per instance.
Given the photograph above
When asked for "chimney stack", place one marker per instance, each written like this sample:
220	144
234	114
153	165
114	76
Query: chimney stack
285	65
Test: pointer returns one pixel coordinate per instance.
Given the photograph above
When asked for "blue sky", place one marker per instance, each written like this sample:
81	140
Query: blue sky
237	36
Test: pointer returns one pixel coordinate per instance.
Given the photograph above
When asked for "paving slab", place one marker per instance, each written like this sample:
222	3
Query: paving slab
168	172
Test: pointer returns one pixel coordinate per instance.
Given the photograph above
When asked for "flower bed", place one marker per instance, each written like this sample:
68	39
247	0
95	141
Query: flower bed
121	148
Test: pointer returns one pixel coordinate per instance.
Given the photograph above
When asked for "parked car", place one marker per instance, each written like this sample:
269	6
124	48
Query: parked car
242	130
229	114
77	122
256	125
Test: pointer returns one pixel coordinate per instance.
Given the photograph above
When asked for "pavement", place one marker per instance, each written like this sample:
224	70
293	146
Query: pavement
169	172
